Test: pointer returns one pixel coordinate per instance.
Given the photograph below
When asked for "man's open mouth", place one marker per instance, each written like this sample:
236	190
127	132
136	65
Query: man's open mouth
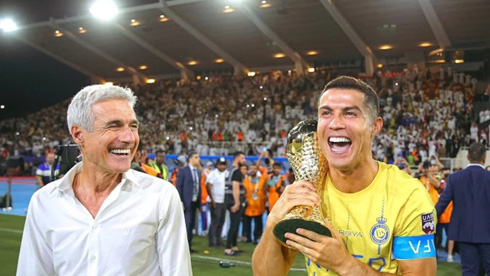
123	152
339	144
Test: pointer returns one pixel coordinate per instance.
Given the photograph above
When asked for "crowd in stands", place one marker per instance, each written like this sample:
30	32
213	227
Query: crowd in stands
425	114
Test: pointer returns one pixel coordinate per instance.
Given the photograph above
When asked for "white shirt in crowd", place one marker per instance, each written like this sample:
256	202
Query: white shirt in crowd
217	179
137	231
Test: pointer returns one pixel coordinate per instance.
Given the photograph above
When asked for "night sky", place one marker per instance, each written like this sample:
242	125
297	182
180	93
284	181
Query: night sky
30	80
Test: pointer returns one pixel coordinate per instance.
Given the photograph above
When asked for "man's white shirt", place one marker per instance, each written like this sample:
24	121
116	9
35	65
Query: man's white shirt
217	179
139	230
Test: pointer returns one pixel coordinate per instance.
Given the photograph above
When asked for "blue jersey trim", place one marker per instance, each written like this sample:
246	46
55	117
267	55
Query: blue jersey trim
411	248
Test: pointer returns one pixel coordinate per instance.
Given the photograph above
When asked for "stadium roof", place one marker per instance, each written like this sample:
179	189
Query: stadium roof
176	37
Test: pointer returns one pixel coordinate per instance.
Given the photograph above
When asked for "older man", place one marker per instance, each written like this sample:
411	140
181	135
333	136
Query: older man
102	218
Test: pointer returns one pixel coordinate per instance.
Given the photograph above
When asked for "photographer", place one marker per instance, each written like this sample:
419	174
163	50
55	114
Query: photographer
429	179
402	164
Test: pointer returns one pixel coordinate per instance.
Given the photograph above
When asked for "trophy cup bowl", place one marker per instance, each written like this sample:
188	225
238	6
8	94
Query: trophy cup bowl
308	164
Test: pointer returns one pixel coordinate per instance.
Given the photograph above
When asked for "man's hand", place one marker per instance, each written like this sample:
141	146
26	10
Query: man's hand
235	208
213	203
328	252
299	193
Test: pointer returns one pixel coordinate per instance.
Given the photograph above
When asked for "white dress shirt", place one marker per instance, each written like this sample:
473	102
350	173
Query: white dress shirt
139	230
217	179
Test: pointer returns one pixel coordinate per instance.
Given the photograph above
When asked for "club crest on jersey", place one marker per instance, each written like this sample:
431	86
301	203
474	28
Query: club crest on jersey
380	231
428	223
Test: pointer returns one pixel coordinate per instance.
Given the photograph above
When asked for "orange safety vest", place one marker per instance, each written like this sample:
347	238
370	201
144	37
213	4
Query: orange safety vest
434	195
204	191
173	177
446	215
273	194
256	205
149	170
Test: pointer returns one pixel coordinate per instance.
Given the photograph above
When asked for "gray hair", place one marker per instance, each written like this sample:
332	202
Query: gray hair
80	109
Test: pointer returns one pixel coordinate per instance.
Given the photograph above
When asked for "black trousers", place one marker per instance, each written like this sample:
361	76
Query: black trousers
218	215
247	227
190	220
231	239
471	254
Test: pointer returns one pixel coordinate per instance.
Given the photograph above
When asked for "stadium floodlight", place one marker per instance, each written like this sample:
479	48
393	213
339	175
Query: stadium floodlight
104	9
8	25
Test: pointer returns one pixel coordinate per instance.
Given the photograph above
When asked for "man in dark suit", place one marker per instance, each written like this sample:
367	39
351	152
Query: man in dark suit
469	189
189	187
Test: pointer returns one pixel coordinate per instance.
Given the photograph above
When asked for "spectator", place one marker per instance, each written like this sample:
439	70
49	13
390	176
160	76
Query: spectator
215	185
235	201
44	172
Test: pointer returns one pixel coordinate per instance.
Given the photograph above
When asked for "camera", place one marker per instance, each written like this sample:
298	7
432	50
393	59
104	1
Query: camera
67	156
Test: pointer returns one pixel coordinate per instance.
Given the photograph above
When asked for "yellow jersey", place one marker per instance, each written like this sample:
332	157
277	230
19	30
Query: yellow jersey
393	218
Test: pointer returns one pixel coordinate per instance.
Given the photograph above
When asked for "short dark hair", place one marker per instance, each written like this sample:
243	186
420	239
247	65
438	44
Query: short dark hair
371	99
476	152
192	153
237	153
159	151
277	165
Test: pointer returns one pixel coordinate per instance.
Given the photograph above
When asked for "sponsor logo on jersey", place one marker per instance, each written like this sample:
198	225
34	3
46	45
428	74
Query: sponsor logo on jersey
428	223
380	232
349	233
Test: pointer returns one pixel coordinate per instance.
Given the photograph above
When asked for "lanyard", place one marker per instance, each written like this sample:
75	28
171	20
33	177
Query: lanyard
256	187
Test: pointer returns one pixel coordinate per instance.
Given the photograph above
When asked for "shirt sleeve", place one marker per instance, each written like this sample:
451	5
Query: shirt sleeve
36	256
39	172
173	250
415	228
211	178
237	176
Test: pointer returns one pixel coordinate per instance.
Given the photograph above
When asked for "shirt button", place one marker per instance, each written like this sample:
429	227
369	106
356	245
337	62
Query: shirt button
93	258
94	225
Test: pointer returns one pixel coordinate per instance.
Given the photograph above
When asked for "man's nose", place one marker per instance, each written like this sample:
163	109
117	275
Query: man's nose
337	122
129	135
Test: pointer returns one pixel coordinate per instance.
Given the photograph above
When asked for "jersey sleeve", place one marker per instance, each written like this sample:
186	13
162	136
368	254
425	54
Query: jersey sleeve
415	227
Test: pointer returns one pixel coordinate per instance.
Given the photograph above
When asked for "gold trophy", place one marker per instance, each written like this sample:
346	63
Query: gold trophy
308	164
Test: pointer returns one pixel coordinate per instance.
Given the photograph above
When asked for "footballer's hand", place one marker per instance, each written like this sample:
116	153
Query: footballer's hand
328	252
299	193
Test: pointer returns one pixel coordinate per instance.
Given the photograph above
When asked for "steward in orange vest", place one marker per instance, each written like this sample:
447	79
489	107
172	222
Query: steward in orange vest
255	191
276	184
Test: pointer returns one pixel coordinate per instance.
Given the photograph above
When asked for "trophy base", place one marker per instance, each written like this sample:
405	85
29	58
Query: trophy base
290	226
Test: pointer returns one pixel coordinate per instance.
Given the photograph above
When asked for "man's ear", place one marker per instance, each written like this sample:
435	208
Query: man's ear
77	134
377	126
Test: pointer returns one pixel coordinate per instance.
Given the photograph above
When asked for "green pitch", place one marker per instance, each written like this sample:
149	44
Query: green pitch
203	264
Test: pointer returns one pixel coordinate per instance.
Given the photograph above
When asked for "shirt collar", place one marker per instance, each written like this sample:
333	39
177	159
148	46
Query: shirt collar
66	182
474	164
192	167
